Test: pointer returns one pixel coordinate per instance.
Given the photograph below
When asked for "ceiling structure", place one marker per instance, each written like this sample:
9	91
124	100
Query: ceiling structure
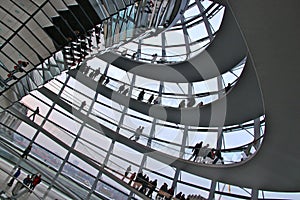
44	34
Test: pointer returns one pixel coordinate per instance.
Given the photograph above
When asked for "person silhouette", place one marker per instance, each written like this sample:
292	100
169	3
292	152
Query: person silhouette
125	91
151	98
196	150
128	170
121	88
36	112
26	151
16	175
181	104
141	95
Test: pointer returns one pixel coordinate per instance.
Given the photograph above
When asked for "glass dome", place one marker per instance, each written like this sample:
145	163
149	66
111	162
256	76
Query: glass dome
93	122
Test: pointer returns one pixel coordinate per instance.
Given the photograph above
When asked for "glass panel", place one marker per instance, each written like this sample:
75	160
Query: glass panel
91	151
9	20
27	51
28	6
5	32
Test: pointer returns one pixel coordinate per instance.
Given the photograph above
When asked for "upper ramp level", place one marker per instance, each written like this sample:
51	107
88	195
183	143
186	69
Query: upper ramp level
225	52
243	103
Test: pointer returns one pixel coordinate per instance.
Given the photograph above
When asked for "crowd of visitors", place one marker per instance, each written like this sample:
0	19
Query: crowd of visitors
142	183
201	153
31	181
122	89
151	99
190	103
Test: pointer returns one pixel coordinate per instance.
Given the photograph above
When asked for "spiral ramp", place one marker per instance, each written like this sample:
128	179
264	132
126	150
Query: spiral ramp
265	87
